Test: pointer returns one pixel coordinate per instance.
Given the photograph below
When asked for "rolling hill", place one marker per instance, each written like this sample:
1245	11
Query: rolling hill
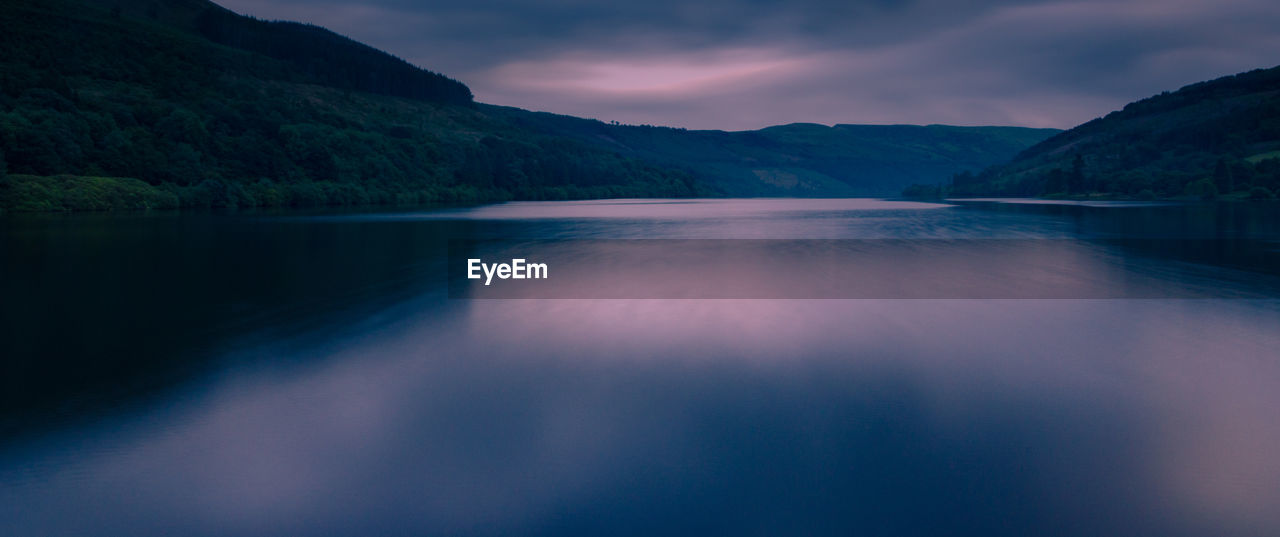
1220	137
804	159
135	91
180	103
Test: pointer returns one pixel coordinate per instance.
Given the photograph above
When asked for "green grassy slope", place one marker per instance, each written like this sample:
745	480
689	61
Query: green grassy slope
1211	138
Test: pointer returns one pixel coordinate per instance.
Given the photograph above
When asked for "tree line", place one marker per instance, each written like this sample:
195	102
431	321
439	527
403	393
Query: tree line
330	59
87	99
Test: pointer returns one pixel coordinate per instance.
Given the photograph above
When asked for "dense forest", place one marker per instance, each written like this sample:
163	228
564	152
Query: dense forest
330	59
91	94
128	104
1213	139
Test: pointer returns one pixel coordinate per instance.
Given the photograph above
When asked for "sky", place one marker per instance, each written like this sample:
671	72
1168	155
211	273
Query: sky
745	64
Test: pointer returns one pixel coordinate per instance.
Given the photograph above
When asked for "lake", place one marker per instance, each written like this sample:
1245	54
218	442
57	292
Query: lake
706	367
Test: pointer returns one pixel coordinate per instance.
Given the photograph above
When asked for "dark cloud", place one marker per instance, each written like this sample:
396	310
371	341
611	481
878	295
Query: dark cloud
749	63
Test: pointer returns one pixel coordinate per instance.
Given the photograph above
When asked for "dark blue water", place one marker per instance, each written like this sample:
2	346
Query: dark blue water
308	375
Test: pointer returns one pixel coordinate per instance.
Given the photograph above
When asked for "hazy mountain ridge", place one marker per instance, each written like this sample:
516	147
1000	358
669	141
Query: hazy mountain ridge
803	158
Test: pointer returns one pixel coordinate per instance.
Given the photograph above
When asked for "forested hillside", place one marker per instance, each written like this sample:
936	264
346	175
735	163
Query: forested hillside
330	59
181	103
1215	138
92	89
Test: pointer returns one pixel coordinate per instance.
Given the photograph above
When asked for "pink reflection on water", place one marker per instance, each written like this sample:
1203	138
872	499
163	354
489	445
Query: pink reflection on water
1201	376
506	412
682	209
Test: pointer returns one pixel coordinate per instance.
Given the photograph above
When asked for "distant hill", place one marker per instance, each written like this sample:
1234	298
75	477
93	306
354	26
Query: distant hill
1220	137
181	103
805	159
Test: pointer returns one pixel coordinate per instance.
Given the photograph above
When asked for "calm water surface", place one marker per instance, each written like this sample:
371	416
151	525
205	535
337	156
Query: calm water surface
295	374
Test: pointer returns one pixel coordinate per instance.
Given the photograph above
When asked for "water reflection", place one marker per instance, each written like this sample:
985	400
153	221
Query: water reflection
404	412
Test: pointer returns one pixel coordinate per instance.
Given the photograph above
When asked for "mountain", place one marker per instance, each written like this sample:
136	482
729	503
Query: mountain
1220	137
168	103
279	115
804	159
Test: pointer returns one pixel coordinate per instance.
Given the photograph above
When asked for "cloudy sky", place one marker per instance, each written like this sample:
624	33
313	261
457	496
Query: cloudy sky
742	64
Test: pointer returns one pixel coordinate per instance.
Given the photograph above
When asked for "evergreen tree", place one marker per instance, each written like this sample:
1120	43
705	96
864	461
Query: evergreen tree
1223	178
1056	183
1076	180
